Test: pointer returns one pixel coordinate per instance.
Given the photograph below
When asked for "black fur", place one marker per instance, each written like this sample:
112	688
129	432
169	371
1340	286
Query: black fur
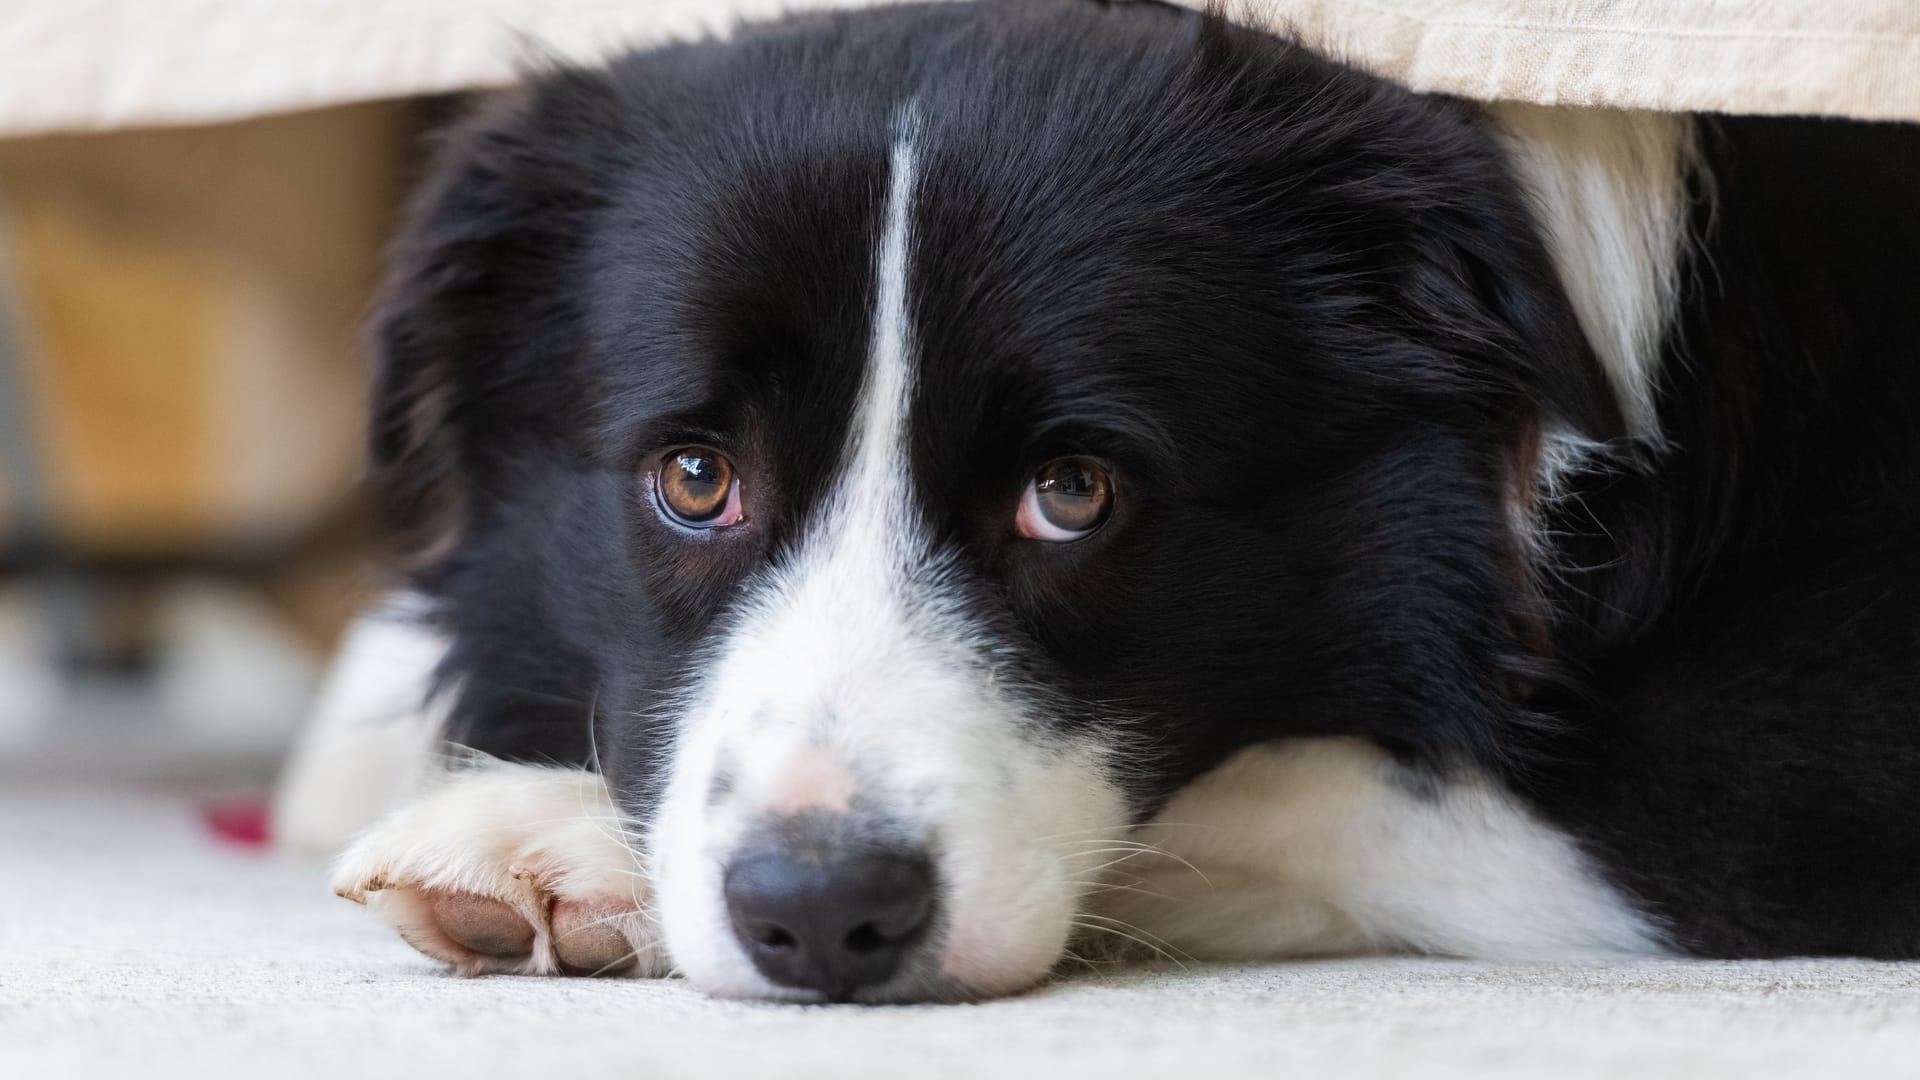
1750	620
1306	316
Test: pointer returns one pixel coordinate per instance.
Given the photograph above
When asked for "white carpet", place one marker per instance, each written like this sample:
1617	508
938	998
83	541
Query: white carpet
131	945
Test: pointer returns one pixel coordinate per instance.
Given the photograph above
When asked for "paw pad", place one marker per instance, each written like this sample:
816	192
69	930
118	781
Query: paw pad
509	869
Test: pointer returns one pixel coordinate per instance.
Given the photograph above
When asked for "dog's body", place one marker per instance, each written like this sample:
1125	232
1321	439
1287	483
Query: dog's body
1493	532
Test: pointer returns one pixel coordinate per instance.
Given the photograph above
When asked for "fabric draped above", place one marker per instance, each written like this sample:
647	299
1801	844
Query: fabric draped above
93	64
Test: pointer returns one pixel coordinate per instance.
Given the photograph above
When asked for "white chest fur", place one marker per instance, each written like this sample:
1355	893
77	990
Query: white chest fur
1324	846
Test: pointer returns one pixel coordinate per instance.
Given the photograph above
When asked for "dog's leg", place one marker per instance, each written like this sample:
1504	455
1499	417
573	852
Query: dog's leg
372	735
511	868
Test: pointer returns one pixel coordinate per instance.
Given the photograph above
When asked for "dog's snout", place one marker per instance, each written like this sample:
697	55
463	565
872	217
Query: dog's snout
833	924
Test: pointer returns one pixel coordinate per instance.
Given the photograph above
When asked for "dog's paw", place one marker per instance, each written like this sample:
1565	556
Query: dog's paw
515	869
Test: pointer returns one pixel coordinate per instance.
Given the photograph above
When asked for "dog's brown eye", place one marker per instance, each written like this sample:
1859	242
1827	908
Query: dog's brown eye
696	487
1067	499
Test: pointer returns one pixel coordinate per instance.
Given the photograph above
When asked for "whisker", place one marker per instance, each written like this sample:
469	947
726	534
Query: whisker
633	955
1136	930
1108	864
1096	888
1145	849
1096	967
1162	953
641	874
610	965
621	838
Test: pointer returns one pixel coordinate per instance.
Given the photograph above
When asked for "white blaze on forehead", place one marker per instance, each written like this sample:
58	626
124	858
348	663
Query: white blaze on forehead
853	678
829	636
839	603
873	493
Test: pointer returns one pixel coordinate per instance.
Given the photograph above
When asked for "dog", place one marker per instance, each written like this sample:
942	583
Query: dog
902	503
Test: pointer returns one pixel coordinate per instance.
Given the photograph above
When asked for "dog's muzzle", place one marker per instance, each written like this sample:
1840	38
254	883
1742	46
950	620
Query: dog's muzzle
815	912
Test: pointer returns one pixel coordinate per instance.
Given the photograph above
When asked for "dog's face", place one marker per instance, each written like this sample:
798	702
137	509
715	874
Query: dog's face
924	440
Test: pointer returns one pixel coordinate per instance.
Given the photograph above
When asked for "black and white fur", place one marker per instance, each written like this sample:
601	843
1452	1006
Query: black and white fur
1514	545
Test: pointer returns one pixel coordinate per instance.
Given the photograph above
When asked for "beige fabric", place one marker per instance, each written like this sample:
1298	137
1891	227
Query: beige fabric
1857	58
81	64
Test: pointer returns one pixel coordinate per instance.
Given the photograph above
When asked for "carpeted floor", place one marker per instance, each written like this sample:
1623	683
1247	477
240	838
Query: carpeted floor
132	944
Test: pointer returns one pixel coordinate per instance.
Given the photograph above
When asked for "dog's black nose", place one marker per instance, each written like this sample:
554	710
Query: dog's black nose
835	924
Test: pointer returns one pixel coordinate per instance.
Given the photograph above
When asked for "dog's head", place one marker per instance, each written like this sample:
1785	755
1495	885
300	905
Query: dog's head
924	439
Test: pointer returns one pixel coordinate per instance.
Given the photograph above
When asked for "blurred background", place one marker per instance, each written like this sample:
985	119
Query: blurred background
194	198
182	536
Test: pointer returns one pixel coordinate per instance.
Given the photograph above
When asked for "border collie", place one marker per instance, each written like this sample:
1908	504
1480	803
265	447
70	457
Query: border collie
914	498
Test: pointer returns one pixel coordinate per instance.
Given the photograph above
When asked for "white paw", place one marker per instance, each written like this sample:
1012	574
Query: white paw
516	869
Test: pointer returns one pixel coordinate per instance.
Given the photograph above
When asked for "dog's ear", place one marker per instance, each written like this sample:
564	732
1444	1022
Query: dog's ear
472	304
1585	241
1450	229
1553	361
1485	288
1490	290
